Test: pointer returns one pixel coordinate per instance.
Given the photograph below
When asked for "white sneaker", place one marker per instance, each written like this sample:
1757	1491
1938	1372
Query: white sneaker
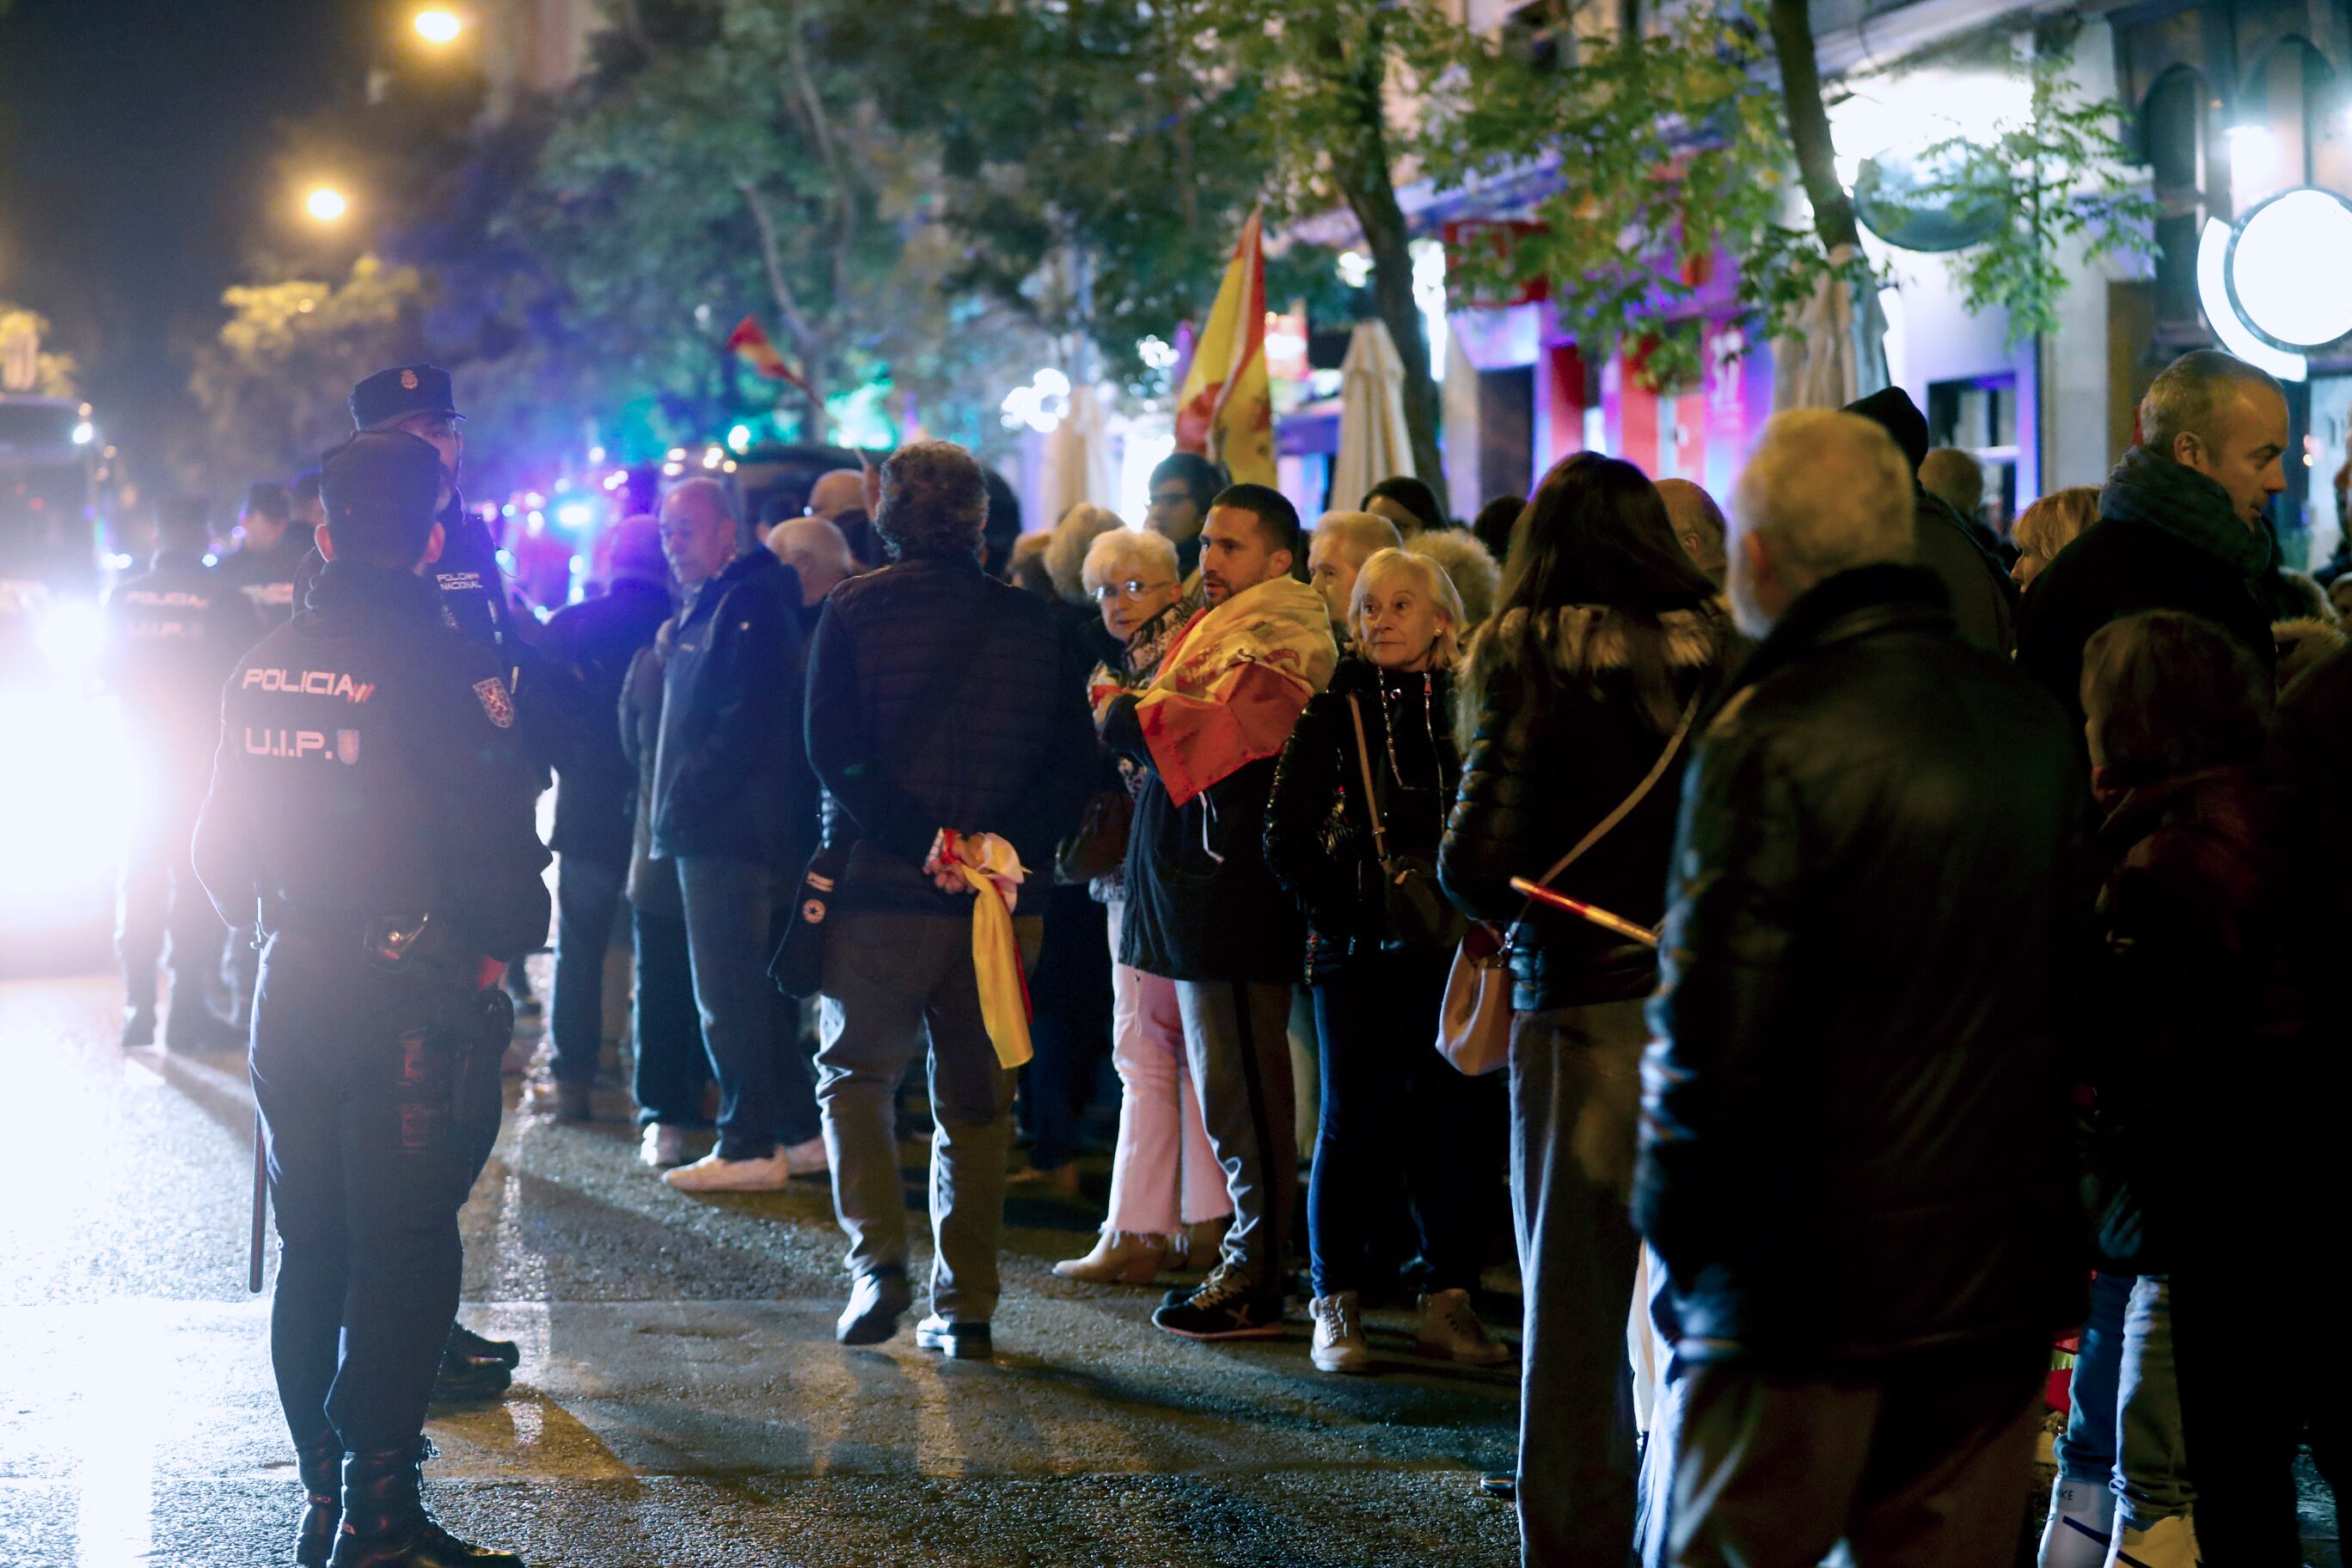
808	1159
664	1146
1449	1327
2167	1543
1339	1334
2082	1519
712	1175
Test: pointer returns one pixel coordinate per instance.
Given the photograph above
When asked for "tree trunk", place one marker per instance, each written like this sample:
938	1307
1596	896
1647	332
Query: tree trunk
1809	124
1370	193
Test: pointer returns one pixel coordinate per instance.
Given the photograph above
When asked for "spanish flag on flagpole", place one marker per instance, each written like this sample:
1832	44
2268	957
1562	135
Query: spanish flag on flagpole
751	345
1225	408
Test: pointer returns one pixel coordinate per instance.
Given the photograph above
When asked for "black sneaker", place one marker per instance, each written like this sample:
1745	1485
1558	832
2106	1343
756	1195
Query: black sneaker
482	1347
1228	1305
875	1303
959	1341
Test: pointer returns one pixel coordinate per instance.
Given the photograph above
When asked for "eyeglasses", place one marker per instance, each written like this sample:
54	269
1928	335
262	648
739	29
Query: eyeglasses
1133	588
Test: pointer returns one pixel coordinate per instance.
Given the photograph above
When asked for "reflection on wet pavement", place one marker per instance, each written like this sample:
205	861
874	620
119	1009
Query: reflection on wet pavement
680	1401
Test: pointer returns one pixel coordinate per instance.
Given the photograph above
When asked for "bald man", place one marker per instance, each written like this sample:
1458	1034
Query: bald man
1698	525
1342	543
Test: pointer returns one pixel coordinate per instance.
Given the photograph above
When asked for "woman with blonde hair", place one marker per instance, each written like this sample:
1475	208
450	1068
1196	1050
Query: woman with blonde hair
2049	526
1359	801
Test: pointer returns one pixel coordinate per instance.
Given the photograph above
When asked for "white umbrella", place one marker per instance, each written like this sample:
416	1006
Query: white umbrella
1373	442
1078	467
1835	354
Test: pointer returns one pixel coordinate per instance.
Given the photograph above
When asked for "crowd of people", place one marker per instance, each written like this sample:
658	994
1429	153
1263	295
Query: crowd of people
1916	938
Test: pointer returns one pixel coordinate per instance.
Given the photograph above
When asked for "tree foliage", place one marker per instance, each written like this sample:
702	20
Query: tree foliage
273	384
2063	175
54	374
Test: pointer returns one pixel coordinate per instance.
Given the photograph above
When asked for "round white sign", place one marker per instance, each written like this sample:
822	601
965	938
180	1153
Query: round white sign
2287	269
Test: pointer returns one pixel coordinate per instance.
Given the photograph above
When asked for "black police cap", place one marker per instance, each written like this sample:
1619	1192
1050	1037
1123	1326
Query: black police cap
380	489
403	390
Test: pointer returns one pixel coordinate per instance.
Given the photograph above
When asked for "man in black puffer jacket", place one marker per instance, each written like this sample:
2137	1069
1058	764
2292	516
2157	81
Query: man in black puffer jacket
1855	1158
734	807
942	705
2181	522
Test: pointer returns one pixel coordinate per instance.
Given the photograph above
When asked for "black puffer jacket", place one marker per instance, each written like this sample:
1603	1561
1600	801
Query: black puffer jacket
1548	762
1318	834
939	698
1856	1128
730	778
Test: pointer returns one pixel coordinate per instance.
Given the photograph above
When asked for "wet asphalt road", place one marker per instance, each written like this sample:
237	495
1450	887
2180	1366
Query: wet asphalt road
681	1402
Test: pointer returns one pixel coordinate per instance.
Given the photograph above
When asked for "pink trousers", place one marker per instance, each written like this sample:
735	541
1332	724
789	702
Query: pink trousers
1163	1175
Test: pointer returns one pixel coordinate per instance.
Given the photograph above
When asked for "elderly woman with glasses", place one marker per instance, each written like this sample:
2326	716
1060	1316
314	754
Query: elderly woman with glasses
1168	1201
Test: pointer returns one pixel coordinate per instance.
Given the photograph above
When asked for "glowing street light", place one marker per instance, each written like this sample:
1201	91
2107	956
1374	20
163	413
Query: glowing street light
438	26
325	203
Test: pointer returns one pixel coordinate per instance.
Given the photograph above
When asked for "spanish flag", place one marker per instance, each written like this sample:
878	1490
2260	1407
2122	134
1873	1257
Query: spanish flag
751	345
1225	408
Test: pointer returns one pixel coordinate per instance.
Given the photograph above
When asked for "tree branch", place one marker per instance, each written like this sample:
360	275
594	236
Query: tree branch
805	337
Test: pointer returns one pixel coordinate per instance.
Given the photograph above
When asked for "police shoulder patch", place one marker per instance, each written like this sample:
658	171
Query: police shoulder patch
495	701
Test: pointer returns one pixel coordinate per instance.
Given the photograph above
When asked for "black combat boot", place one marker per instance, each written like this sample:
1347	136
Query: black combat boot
385	1522
320	1462
470	1380
138	1025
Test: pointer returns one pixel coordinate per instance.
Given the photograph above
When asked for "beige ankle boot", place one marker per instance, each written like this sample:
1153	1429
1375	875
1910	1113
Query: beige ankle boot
1119	1257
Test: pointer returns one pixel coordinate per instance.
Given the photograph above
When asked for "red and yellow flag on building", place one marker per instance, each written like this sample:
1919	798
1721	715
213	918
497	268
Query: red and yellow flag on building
751	345
1225	408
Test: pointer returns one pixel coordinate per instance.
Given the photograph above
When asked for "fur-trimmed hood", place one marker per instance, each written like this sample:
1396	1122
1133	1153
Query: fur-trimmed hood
1588	639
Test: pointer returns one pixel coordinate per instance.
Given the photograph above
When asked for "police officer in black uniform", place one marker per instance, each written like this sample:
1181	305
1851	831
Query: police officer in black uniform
265	565
172	632
345	736
419	400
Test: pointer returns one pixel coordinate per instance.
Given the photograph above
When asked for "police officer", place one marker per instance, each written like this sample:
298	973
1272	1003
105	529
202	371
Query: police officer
172	633
418	399
345	736
269	560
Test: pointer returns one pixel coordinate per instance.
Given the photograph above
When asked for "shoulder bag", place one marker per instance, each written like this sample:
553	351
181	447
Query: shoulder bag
1416	914
1473	1025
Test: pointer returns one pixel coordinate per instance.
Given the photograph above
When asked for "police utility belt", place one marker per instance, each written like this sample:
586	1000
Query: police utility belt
475	1023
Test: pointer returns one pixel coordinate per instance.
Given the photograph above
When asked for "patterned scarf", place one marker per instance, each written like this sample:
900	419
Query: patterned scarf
2155	490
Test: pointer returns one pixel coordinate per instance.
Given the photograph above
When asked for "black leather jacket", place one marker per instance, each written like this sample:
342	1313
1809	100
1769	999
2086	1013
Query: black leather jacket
1318	836
1856	1131
1548	762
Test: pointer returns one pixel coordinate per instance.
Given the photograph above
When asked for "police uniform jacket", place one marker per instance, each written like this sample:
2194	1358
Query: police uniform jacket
268	577
172	634
345	736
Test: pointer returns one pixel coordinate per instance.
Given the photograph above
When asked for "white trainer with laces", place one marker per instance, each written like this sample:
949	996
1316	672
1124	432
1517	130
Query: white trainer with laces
2081	1525
1449	1327
2167	1543
1338	1333
808	1159
664	1146
712	1175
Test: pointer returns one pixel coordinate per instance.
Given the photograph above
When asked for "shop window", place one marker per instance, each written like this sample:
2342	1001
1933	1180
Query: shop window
1980	418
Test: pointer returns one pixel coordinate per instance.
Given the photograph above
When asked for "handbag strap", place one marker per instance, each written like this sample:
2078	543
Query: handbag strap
1371	791
1602	828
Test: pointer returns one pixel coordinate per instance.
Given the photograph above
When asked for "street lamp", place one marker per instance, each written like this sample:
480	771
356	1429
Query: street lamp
325	203
437	26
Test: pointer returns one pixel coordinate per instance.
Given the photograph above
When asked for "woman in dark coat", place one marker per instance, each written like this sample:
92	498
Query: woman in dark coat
1578	700
1388	1097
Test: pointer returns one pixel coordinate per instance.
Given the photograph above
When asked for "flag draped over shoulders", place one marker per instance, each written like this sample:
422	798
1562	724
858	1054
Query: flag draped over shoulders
1231	688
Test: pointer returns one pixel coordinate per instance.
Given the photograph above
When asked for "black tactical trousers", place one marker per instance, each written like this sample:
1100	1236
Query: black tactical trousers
159	897
358	1072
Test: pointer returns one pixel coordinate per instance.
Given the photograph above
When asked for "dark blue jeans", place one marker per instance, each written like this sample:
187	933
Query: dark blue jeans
1390	1100
370	1153
587	900
767	1085
672	1067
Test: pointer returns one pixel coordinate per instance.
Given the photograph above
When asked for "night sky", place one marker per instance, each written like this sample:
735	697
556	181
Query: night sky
135	145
